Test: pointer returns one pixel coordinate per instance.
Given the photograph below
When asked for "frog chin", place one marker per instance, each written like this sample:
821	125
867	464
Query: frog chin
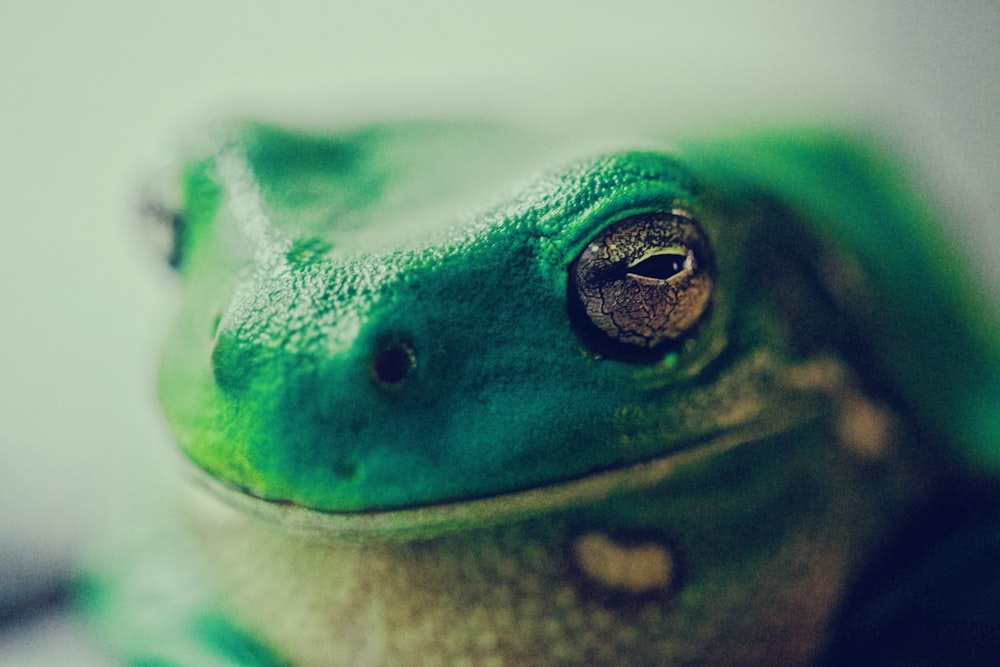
433	519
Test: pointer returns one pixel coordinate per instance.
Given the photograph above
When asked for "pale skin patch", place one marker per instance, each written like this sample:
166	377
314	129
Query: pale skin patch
634	569
864	427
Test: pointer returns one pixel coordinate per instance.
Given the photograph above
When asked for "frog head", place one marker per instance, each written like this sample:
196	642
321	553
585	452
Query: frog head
405	321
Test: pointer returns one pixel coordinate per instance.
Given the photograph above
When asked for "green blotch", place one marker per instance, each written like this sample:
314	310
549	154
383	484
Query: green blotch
308	250
231	642
202	199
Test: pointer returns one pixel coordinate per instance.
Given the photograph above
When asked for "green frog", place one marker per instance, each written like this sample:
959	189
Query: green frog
462	394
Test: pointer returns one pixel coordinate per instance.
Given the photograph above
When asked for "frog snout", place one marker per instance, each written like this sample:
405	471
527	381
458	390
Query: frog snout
336	369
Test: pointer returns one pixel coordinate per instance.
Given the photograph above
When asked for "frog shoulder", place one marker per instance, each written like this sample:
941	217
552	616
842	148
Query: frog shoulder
889	265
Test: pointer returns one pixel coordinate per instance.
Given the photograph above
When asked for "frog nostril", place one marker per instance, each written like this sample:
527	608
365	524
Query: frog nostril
233	365
393	363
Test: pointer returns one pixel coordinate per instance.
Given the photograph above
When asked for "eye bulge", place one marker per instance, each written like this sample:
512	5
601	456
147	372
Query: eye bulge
159	211
642	284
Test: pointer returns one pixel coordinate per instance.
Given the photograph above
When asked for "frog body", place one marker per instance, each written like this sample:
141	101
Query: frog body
455	394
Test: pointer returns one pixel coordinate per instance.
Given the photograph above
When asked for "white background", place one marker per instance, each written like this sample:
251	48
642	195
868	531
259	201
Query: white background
86	90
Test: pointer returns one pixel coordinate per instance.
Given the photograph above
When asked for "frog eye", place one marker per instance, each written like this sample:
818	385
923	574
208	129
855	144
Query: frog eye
641	284
160	212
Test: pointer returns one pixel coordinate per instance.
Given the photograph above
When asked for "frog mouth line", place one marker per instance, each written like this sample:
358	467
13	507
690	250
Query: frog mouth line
434	519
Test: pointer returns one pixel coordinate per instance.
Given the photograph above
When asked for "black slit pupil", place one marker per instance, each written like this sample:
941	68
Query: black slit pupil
660	267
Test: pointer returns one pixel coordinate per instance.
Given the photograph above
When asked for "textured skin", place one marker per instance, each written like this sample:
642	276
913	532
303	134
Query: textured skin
435	459
750	582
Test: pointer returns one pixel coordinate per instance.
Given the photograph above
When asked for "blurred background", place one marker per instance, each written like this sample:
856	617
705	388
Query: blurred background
88	90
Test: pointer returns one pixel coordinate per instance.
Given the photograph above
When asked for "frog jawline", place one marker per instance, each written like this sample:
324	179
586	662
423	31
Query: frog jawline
430	520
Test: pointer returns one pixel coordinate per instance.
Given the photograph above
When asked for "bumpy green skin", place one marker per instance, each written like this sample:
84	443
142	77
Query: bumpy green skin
375	326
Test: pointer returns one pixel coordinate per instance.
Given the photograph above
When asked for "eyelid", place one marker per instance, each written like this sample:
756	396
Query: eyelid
654	252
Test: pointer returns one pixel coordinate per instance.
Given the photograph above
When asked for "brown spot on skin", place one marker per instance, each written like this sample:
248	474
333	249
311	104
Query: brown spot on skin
864	427
635	569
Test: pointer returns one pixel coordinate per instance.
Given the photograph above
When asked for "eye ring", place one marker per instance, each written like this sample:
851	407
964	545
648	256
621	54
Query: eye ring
641	285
